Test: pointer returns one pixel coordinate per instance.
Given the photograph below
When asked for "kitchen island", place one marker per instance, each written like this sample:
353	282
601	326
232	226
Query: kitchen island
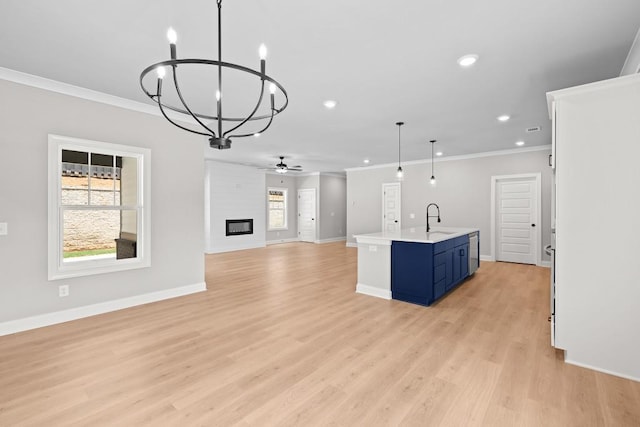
415	266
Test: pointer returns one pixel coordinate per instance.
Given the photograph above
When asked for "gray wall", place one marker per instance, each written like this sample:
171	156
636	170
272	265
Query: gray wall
463	192
290	183
333	207
28	116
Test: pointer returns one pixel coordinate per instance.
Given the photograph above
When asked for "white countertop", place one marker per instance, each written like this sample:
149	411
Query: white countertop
416	234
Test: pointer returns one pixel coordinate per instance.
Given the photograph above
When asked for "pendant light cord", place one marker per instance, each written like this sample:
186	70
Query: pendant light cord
432	142
399	145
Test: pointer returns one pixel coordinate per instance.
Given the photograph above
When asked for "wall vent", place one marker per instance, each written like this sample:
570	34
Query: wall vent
534	129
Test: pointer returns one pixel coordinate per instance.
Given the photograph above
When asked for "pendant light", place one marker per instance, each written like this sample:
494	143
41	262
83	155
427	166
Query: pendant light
433	176
399	172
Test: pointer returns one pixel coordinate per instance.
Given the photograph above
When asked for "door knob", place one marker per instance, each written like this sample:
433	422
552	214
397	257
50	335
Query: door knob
396	221
533	225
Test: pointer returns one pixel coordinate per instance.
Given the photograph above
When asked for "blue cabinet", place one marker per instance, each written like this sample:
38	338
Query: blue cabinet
421	273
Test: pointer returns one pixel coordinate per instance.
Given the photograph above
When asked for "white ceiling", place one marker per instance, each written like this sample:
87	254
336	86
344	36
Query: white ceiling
382	61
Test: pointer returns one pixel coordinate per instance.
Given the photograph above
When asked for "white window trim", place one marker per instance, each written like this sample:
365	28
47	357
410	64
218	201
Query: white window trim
286	208
57	269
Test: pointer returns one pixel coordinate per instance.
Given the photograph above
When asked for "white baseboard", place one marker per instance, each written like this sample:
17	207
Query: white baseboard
604	371
41	320
276	242
352	245
487	258
231	248
332	239
371	291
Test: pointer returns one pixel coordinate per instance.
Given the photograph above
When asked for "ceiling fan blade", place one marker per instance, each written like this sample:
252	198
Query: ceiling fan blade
295	169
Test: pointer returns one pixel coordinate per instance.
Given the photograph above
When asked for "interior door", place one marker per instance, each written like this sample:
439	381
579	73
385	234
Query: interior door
516	217
391	207
307	215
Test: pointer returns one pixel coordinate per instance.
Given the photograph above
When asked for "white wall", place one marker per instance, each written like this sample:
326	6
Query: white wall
290	183
233	192
177	261
463	192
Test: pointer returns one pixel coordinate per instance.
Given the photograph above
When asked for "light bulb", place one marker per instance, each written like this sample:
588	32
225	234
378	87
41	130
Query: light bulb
217	95
433	180
399	173
172	36
272	88
161	72
262	51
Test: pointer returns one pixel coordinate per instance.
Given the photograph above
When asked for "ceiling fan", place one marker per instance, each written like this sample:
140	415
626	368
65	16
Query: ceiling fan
283	168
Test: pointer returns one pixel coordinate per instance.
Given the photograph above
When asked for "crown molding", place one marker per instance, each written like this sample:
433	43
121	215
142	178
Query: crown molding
83	93
454	158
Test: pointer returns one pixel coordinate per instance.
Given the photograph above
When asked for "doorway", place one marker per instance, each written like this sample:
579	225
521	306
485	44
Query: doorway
307	215
516	229
391	203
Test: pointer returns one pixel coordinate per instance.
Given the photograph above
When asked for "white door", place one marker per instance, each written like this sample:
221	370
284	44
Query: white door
307	215
391	207
516	220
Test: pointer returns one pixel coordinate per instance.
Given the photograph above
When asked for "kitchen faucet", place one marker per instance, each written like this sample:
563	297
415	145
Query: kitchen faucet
433	216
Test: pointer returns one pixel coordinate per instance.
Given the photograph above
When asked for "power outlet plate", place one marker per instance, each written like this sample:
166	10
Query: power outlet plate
63	290
4	229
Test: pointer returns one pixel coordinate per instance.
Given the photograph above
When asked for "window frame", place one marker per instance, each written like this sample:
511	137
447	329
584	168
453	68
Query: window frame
57	268
285	192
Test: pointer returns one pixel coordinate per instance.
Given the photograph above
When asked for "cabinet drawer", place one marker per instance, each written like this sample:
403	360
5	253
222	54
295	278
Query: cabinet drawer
440	266
460	240
443	246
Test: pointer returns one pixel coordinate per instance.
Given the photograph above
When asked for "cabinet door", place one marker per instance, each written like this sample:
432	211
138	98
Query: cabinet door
450	277
464	260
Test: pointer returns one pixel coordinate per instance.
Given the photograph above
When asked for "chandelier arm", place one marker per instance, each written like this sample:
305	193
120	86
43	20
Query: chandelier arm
193	61
174	123
186	107
252	113
273	113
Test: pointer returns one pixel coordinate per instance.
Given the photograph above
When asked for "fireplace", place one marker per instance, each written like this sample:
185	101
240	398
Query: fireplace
236	227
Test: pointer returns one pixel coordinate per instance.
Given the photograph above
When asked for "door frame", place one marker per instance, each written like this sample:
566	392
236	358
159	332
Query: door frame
382	214
315	214
538	233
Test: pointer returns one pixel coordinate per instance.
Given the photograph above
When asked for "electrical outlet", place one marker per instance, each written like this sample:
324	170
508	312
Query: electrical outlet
4	229
63	290
412	216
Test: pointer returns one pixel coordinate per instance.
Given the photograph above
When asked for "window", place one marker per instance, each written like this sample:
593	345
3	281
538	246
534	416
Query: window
277	208
98	207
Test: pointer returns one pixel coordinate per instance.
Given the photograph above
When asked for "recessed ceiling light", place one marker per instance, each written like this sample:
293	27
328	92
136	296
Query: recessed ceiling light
366	161
257	134
329	104
467	60
520	143
504	118
439	153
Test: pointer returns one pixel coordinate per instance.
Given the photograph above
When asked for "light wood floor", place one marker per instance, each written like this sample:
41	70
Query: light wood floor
281	339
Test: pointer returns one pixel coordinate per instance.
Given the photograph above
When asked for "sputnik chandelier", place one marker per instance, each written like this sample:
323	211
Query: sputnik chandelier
219	138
